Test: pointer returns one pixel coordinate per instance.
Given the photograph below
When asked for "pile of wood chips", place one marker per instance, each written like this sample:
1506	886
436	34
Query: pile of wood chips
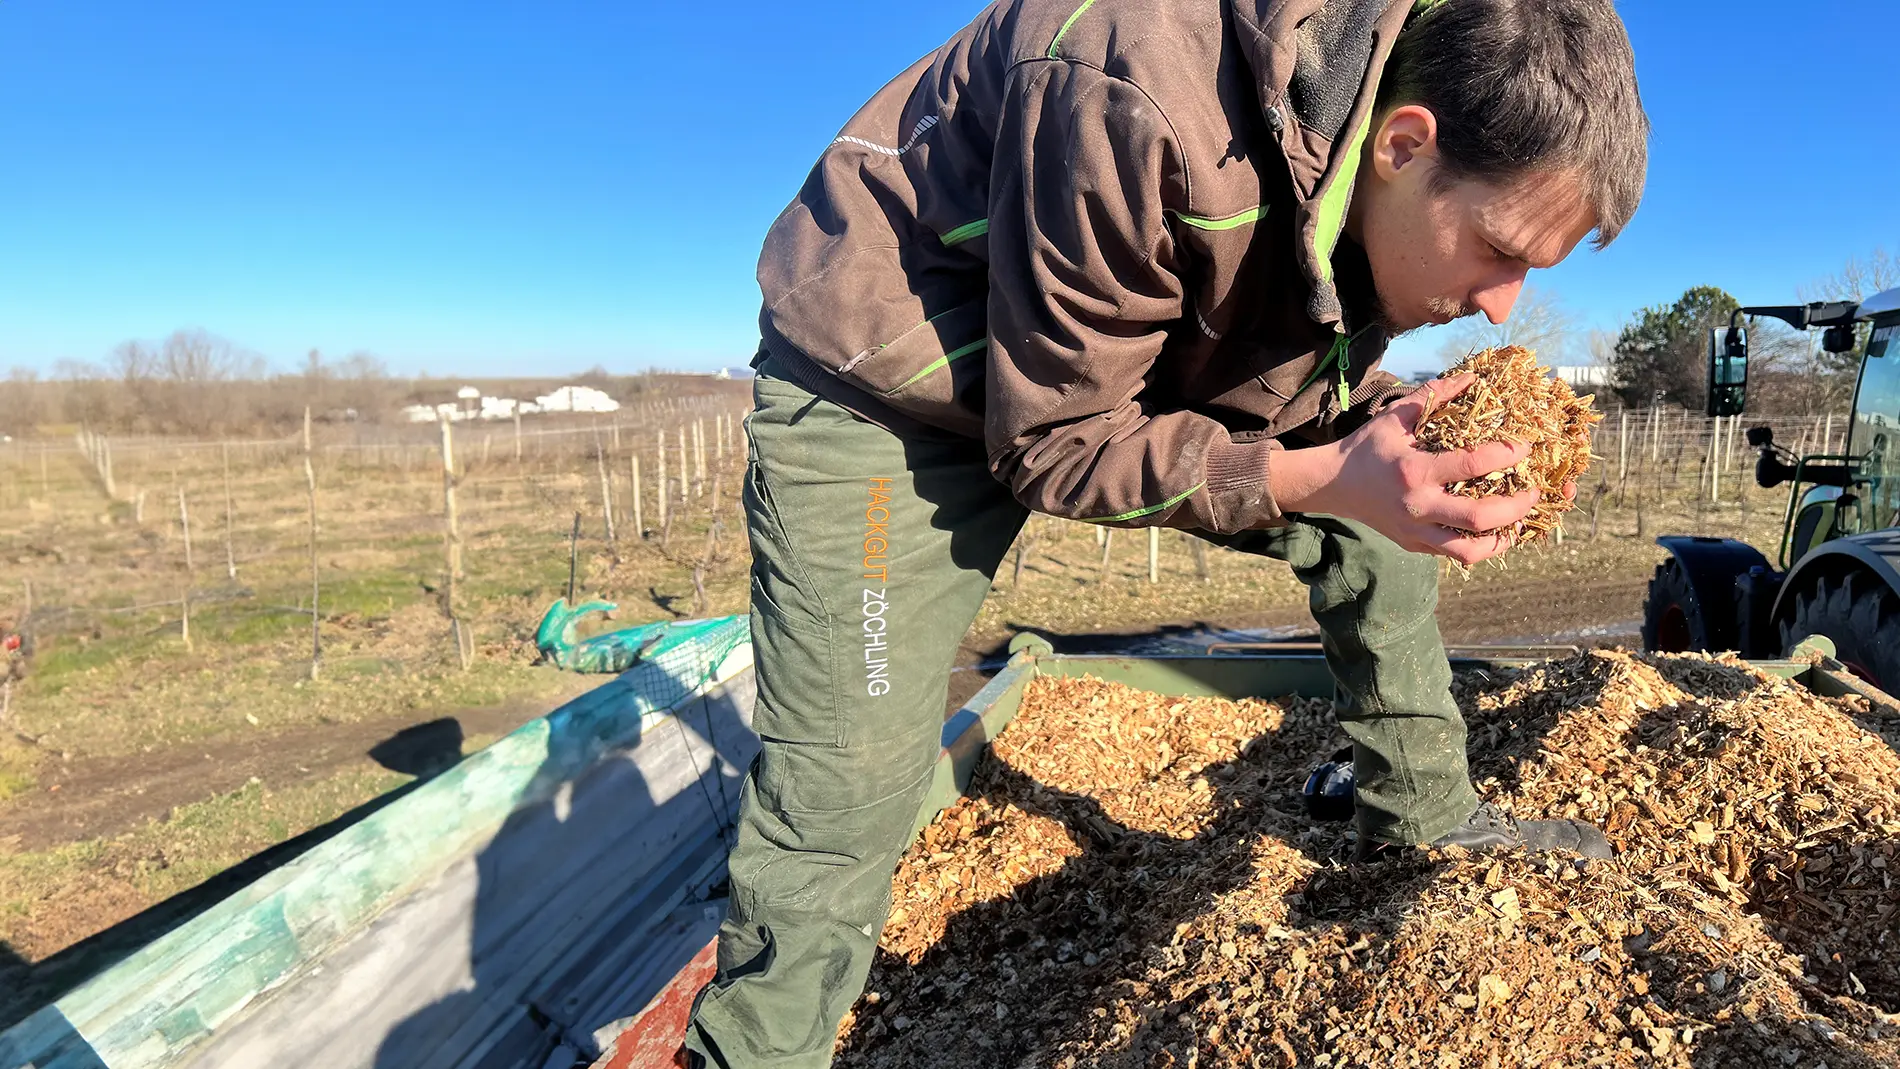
1514	400
1132	883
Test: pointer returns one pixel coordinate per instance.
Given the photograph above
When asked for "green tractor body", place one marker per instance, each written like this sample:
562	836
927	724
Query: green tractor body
1837	571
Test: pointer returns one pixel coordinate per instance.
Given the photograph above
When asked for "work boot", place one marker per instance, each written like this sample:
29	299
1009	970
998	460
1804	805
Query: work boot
1328	793
1490	829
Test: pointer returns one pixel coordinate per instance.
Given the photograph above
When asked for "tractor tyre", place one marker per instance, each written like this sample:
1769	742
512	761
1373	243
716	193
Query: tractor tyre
1672	623
1861	615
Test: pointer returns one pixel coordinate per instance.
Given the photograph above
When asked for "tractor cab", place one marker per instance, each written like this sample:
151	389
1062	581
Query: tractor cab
1875	438
1837	570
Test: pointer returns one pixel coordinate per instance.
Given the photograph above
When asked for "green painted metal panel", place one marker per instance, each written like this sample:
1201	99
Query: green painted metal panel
1220	676
1831	679
967	733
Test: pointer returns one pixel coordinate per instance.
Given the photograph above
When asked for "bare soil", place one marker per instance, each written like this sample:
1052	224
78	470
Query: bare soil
99	797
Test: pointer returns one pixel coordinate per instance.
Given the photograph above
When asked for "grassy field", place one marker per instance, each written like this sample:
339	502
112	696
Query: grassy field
139	757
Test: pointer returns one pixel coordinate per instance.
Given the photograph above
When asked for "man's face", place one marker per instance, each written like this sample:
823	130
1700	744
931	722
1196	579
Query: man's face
1443	254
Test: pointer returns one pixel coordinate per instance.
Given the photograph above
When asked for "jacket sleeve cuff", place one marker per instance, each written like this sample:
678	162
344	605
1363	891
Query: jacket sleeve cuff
1239	484
1377	391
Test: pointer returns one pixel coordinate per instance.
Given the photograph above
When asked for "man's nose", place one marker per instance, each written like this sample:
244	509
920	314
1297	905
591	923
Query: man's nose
1496	301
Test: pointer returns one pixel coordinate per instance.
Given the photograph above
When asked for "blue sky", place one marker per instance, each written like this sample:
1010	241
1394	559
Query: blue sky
502	187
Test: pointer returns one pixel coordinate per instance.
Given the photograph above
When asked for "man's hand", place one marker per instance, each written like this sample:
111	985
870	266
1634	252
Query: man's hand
1380	477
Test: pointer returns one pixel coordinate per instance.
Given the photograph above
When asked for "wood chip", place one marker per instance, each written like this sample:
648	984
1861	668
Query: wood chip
1514	400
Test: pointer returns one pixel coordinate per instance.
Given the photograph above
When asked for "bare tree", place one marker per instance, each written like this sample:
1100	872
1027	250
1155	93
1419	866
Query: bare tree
134	362
1538	321
22	401
1856	279
197	356
362	365
89	397
1827	379
172	385
1602	345
361	384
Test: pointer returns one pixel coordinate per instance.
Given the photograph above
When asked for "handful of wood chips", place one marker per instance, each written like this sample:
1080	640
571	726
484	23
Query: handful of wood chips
1514	400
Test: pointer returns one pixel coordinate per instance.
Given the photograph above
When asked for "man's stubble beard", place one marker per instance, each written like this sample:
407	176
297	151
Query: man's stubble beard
1448	309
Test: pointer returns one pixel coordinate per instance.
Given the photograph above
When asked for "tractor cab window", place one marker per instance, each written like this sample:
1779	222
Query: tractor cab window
1877	424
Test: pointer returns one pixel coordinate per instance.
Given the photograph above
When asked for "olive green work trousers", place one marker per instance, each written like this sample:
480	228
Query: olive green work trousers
872	554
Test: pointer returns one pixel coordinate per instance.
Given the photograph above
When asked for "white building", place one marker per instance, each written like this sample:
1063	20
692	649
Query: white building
431	413
1586	376
577	399
501	408
470	403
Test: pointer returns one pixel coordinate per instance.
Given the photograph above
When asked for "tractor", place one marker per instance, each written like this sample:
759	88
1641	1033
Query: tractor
1837	575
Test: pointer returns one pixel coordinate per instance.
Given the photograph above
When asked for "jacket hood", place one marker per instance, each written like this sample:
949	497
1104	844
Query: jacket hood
1316	64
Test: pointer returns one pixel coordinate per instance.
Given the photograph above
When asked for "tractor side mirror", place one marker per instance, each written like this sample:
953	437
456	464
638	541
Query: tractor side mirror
1760	437
1728	371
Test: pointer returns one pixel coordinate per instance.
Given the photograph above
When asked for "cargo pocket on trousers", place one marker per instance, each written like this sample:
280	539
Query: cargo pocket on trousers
794	652
793	658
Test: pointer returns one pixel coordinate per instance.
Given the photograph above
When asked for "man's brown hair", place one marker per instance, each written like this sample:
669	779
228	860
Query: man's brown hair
1522	85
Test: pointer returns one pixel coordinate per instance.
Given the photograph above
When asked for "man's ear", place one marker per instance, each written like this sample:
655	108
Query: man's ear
1406	137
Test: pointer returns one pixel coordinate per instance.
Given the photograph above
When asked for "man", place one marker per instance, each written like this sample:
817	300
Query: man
1133	262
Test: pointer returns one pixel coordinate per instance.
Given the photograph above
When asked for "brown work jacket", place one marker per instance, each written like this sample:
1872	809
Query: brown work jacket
1104	236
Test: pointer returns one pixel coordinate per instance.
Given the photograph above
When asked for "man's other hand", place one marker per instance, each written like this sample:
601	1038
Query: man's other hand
1381	477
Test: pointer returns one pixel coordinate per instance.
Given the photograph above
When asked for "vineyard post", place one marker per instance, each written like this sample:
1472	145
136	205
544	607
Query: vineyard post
230	513
606	496
184	596
316	618
573	556
699	458
639	521
660	484
1622	457
451	533
1712	464
685	465
184	529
